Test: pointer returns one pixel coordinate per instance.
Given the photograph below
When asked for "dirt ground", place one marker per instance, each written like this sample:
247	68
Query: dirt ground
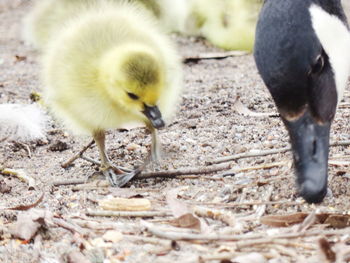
209	125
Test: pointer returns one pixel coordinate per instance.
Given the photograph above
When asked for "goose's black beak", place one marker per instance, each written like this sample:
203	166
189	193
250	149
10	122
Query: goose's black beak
154	116
310	144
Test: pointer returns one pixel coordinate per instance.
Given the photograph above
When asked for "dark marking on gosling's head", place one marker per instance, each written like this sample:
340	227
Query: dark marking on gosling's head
142	68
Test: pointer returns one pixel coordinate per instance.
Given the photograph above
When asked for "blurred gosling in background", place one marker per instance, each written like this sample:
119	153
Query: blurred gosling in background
228	24
47	17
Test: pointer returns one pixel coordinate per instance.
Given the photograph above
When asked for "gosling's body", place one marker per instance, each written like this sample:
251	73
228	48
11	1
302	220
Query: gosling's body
47	17
108	68
228	24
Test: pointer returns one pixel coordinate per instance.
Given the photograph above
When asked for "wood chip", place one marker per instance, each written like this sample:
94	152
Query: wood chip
124	204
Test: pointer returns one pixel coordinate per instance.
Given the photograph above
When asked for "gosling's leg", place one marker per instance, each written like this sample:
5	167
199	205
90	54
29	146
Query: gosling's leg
114	174
155	146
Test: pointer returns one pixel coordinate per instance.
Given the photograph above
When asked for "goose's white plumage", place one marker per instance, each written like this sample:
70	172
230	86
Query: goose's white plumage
105	65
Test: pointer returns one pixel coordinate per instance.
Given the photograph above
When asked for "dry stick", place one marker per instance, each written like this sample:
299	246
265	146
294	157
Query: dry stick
71	227
27	207
180	172
78	155
248	155
161	174
20	174
308	222
217	237
69	182
249	203
25	147
267	240
226	217
217	55
220	256
258	153
252	168
260	211
128	213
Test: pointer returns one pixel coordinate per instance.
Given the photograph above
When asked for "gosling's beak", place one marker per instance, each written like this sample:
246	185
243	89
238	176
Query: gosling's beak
154	115
310	144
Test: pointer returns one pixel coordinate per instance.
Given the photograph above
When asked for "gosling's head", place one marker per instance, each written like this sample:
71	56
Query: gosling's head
134	80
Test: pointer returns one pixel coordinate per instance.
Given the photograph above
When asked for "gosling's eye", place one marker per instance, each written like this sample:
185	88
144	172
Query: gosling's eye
132	96
318	66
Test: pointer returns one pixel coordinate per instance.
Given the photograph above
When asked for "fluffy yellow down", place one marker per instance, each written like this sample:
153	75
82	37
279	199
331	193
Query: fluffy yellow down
228	24
106	52
48	16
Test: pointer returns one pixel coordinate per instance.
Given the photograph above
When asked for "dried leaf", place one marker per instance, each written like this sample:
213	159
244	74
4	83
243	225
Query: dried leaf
338	221
240	108
326	250
187	221
124	204
333	220
250	258
20	58
28	223
113	236
77	257
283	220
29	206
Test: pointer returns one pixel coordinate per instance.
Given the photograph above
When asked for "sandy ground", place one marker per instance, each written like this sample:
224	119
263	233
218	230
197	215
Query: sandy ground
206	127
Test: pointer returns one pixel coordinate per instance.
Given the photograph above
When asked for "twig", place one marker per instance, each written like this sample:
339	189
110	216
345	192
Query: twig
226	217
253	153
180	172
286	251
159	232
25	147
128	213
260	211
308	222
20	174
217	55
248	203
88	159
252	168
220	256
269	240
27	207
259	153
149	240
78	155
69	182
69	226
93	225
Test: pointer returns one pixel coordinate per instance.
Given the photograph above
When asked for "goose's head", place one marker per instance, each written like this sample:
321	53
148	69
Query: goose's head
302	51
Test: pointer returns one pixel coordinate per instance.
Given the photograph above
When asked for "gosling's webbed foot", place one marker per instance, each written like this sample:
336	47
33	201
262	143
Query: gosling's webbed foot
117	177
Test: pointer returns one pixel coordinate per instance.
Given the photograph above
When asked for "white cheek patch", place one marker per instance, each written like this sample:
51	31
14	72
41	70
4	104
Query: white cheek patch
335	39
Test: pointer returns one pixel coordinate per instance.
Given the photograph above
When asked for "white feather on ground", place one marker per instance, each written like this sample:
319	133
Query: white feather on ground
22	122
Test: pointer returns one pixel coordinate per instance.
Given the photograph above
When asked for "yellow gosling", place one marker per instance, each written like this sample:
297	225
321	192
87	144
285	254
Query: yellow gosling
110	67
